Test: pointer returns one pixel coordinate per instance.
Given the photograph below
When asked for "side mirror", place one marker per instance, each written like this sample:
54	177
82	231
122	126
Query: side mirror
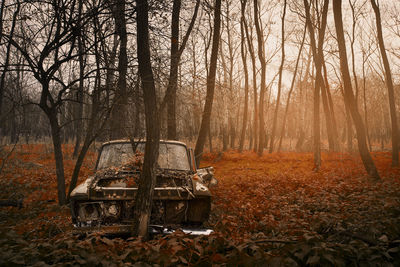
192	160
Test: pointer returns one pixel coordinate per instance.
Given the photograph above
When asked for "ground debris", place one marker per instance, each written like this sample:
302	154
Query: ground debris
268	210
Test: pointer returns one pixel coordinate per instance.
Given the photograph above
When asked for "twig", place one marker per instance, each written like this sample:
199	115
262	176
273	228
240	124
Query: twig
6	157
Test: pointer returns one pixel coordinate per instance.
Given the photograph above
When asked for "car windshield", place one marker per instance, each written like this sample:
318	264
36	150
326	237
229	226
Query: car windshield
171	156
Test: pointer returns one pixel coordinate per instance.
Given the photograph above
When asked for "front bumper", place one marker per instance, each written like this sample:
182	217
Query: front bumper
124	229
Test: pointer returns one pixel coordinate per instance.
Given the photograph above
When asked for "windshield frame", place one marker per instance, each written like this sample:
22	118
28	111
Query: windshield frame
143	142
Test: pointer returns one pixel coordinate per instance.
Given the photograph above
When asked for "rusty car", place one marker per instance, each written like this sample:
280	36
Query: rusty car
181	200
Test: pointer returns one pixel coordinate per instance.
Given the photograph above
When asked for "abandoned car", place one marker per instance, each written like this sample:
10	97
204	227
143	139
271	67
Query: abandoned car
106	200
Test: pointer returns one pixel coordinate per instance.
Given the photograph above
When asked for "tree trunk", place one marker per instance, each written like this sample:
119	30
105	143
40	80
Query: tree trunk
58	154
349	132
255	93
144	197
291	90
176	52
389	85
210	139
246	77
365	104
95	118
349	96
118	115
330	109
278	98
318	81
352	39
205	122
173	74
79	94
78	165
261	56
7	57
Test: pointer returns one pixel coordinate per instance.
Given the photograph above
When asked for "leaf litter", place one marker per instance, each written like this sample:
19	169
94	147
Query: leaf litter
270	210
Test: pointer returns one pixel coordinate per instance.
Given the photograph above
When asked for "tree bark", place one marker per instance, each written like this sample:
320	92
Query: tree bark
205	122
389	85
144	197
173	74
58	155
365	103
176	53
7	59
255	93
330	110
261	57
278	98
118	115
96	117
349	96
79	94
246	77
291	90
318	81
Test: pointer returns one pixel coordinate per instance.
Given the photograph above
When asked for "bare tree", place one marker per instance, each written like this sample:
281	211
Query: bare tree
119	109
205	122
176	53
317	51
389	85
349	96
58	35
243	52
278	98
250	47
99	111
144	197
78	112
291	89
261	57
7	56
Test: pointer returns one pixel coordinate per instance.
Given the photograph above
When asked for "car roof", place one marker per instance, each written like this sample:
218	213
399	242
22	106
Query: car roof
119	141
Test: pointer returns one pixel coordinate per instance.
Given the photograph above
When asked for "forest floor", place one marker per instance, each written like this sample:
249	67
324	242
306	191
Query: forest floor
270	210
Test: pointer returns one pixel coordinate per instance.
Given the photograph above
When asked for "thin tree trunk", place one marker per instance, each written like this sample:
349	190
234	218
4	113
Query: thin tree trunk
231	110
330	109
291	89
255	93
278	98
173	74
210	139
205	122
353	60
365	104
389	84
246	76
176	53
7	55
318	81
144	197
96	117
58	154
118	115
349	96
261	57
79	93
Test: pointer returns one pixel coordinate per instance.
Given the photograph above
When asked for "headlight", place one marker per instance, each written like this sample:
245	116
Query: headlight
88	212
